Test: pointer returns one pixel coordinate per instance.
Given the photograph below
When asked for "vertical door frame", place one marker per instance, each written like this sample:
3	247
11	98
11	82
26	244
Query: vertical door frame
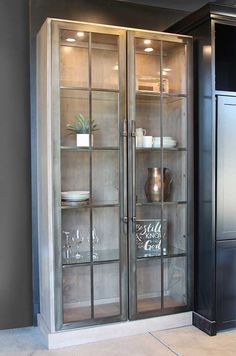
131	104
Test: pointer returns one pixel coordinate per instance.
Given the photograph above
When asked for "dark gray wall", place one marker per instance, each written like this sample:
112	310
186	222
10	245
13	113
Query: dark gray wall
15	207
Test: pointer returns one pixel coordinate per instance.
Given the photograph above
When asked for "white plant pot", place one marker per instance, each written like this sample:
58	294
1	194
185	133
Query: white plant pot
82	140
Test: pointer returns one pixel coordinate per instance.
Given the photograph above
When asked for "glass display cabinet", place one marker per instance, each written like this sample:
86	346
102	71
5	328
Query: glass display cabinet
114	174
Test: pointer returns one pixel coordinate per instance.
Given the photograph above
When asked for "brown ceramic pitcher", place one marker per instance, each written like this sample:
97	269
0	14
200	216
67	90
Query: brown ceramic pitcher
153	184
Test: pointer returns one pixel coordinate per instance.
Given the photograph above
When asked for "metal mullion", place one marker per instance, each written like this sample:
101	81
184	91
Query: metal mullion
90	177
121	208
189	181
121	144
162	181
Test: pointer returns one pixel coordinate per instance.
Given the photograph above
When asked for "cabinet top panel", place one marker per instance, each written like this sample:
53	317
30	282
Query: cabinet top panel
86	26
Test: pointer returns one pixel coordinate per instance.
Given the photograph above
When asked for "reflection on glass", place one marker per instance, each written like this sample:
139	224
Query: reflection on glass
105	114
148	285
106	228
73	59
106	290
75	229
105	177
174	122
175	282
76	294
105	65
176	162
174	68
147	60
148	111
75	175
176	217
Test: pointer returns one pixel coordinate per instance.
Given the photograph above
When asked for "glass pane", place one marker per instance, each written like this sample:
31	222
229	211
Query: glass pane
175	282
75	236
73	103
105	177
148	285
176	231
105	234
149	229
106	290
174	123
148	125
105	67
147	60
74	59
75	174
76	294
175	176
174	68
106	116
146	162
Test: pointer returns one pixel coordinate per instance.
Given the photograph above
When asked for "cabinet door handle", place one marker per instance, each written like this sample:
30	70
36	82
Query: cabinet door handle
125	219
133	138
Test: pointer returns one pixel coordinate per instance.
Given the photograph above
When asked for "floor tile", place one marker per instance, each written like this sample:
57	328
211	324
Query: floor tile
190	341
140	345
20	340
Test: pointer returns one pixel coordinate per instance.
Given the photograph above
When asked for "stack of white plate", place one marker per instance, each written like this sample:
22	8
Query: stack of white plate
168	142
75	195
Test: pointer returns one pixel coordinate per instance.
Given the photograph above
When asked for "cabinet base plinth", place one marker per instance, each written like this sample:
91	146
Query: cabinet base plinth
204	324
54	340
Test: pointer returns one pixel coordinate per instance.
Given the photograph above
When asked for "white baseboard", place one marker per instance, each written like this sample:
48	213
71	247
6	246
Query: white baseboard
111	331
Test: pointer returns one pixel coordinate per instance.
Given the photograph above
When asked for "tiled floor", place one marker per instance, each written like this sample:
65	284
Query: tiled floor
186	341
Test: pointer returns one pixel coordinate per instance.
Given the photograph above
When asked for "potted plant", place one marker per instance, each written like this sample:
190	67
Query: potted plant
81	128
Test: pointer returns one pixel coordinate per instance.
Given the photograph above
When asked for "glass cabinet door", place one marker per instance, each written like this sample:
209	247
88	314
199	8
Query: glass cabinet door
90	240
159	148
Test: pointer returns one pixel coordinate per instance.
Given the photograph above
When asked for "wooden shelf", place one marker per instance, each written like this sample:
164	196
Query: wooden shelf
150	93
74	314
85	205
106	90
162	203
150	304
170	252
148	149
88	149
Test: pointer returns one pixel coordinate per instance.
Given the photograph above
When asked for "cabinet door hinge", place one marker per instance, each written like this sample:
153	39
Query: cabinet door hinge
124	132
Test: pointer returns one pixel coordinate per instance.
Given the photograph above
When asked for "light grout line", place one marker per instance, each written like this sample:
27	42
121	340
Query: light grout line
163	343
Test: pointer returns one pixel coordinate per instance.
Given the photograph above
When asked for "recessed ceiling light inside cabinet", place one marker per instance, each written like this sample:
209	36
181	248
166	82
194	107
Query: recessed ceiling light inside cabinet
116	67
80	34
70	40
167	69
147	42
148	49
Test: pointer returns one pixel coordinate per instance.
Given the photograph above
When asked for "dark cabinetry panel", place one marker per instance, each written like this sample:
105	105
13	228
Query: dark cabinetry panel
225	57
226	284
226	167
214	30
